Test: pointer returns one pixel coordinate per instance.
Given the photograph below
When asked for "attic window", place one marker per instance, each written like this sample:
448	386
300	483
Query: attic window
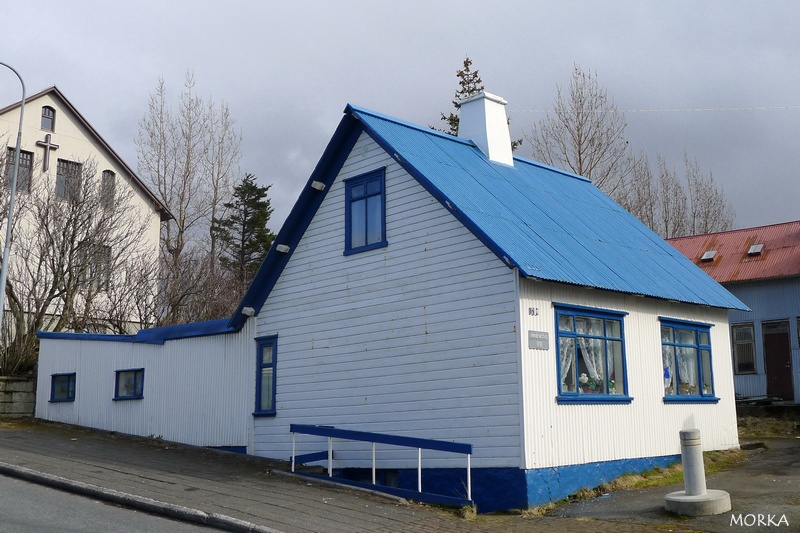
755	249
708	256
48	118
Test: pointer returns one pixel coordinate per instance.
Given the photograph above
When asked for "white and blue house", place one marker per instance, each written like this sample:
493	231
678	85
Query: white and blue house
435	287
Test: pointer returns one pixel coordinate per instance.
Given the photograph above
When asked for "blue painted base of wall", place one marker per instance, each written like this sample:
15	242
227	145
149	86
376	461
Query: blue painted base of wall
502	489
234	449
556	483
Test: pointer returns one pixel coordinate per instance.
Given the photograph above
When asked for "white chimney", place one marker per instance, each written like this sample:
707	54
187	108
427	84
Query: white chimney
482	119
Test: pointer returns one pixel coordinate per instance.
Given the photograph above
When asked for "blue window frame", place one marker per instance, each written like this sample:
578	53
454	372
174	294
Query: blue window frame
62	388
591	355
686	358
129	384
365	212
266	378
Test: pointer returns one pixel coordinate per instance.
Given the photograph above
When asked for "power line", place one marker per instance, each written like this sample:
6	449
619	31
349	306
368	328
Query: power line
688	110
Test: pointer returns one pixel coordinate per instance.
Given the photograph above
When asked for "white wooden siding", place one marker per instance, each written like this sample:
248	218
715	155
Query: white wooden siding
197	391
572	434
417	339
769	300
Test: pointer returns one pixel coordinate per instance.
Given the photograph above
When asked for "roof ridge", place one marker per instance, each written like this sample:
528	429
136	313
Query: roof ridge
737	230
444	135
429	130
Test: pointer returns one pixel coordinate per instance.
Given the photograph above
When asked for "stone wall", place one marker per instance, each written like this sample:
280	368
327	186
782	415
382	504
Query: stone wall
17	397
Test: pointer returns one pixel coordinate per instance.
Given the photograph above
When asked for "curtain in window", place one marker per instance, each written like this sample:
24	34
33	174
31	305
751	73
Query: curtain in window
567	359
669	372
687	369
592	349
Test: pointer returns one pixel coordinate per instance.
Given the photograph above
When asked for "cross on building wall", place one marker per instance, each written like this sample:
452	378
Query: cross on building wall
47	145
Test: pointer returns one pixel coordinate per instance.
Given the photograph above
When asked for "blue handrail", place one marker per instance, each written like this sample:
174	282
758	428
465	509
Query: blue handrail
381	438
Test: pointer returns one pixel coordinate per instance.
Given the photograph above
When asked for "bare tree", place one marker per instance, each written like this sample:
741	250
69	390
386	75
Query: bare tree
672	202
674	205
709	210
585	135
73	246
639	193
189	157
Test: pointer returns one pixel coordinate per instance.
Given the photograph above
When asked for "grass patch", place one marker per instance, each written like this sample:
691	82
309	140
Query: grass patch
16	423
756	427
715	461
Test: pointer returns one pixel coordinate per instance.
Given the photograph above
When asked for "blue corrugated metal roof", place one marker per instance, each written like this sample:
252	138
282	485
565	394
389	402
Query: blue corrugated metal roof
551	224
150	336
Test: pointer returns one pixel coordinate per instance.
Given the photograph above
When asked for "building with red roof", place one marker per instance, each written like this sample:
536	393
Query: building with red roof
760	266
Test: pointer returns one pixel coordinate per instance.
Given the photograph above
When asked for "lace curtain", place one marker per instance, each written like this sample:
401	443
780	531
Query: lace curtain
592	349
567	357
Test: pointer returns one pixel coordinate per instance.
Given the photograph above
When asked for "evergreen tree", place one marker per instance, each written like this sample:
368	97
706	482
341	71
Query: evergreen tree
243	234
469	84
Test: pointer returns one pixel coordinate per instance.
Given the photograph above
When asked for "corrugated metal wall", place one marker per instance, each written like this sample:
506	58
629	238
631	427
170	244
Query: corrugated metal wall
417	338
570	434
198	391
777	299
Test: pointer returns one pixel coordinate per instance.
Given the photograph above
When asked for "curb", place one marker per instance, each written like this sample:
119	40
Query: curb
149	505
333	483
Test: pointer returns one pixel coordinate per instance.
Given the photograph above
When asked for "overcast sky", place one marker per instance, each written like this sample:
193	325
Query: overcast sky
719	80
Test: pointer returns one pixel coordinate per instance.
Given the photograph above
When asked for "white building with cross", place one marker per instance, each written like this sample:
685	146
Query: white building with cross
60	150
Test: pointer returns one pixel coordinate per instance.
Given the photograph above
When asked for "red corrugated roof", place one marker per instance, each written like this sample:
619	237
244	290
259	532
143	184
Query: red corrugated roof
779	257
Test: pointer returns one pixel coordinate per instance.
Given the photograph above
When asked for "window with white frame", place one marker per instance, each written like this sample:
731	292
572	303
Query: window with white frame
591	355
365	213
266	378
744	349
686	358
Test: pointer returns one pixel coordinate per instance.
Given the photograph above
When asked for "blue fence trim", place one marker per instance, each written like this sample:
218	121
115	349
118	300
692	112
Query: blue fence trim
310	457
424	497
397	440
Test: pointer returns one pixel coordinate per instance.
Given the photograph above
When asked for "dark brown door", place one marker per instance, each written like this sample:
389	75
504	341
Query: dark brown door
777	359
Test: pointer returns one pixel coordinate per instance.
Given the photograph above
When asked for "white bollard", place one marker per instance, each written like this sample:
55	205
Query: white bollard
695	500
694	472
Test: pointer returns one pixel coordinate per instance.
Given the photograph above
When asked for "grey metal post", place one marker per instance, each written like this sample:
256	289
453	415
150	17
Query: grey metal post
7	244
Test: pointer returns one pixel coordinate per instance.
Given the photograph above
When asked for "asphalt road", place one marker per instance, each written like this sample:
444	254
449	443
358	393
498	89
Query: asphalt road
30	508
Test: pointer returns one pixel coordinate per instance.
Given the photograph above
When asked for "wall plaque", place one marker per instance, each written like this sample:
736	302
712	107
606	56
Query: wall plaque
538	340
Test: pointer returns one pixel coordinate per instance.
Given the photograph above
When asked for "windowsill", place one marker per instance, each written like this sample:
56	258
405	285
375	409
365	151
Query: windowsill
593	399
263	414
123	398
61	400
691	399
374	246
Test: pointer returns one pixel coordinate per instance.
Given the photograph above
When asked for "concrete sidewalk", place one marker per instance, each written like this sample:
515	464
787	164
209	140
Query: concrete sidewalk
242	493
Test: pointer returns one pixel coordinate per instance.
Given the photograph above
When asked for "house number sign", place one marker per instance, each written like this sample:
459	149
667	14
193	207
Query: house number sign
538	340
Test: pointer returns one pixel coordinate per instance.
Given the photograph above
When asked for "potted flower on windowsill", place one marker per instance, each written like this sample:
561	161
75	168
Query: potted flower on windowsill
589	385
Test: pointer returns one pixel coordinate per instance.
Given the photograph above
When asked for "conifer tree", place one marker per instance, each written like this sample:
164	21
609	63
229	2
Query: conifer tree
469	84
243	234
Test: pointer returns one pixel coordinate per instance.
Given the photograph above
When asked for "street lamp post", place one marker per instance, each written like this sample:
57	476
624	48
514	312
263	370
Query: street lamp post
7	244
